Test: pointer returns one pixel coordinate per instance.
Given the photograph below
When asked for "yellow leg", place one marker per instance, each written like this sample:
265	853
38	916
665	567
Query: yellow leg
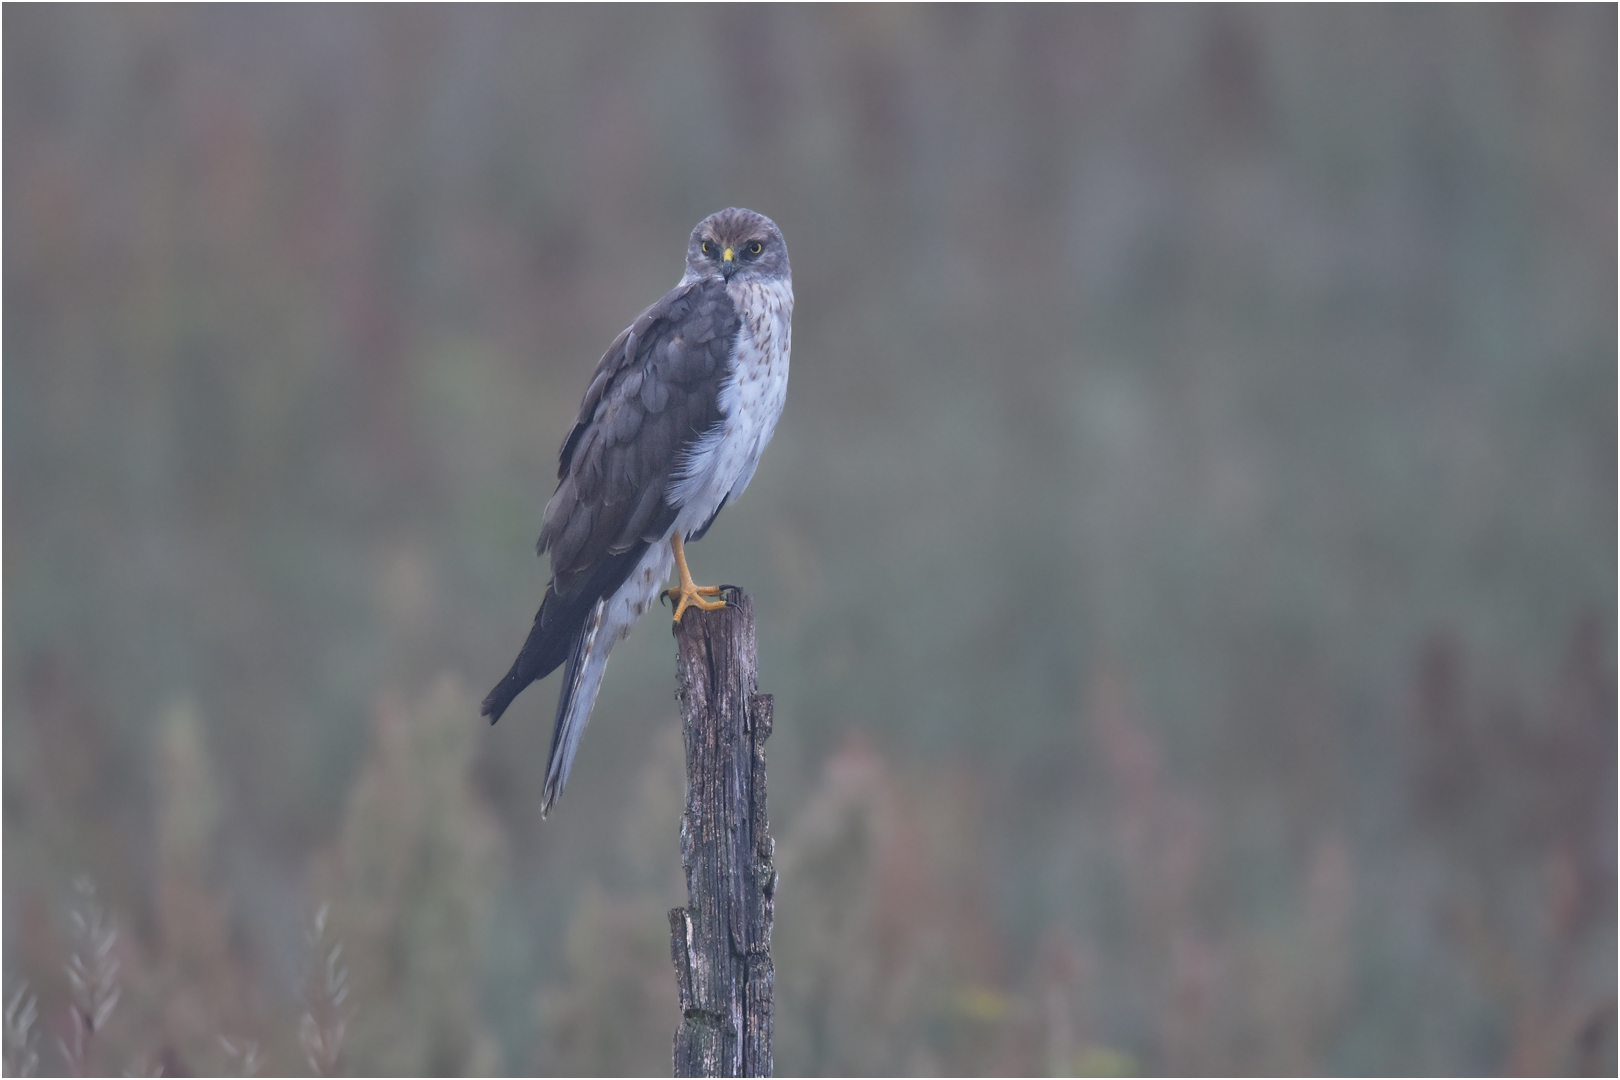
687	594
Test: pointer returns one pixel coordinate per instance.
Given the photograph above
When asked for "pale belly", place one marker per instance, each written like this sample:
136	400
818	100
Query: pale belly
723	461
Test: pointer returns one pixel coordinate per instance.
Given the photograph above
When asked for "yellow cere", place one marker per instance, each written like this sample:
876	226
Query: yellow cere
726	254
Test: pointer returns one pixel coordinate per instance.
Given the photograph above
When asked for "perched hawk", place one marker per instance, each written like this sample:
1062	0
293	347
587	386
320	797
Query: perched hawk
671	429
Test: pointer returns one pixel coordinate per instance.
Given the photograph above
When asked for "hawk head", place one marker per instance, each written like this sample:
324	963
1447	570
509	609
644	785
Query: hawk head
738	244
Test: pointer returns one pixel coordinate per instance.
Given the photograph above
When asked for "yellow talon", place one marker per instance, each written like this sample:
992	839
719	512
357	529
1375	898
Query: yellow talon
687	594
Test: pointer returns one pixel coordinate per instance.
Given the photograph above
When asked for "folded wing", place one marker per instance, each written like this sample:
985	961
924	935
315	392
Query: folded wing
656	391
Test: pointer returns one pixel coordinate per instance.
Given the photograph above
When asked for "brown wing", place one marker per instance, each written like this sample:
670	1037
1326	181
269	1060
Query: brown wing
656	390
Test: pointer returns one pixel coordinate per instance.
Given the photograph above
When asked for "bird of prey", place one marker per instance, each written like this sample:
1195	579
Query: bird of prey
671	430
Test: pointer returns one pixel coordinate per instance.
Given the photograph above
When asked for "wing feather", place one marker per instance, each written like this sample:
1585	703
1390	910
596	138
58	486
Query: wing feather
655	391
654	394
637	527
618	425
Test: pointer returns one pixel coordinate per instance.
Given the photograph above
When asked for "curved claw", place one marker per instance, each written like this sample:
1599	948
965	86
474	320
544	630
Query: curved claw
692	596
686	594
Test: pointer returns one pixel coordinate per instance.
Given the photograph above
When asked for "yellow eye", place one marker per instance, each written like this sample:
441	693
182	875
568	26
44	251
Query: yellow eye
704	247
755	248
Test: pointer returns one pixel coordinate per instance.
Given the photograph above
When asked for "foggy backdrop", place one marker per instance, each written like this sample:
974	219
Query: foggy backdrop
1185	565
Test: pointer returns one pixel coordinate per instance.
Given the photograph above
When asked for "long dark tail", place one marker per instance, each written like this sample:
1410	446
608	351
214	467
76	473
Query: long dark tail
558	625
586	649
551	639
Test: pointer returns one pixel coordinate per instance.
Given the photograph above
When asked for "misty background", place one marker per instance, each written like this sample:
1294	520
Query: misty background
1185	565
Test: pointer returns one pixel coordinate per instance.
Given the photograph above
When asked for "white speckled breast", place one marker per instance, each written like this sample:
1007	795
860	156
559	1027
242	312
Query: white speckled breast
721	463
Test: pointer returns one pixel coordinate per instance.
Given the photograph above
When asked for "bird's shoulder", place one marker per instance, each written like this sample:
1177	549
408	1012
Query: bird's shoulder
678	343
655	392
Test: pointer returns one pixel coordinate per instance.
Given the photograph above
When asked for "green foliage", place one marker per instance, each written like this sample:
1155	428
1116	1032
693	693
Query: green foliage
1186	564
415	863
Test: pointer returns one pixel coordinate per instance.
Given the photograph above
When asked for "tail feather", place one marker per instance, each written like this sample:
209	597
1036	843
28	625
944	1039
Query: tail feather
582	678
549	642
558	625
580	682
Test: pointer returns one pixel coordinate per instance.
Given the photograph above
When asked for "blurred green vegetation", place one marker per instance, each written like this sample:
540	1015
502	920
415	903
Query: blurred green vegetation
1185	566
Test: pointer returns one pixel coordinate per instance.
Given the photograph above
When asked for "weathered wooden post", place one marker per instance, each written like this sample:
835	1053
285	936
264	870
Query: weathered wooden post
721	941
